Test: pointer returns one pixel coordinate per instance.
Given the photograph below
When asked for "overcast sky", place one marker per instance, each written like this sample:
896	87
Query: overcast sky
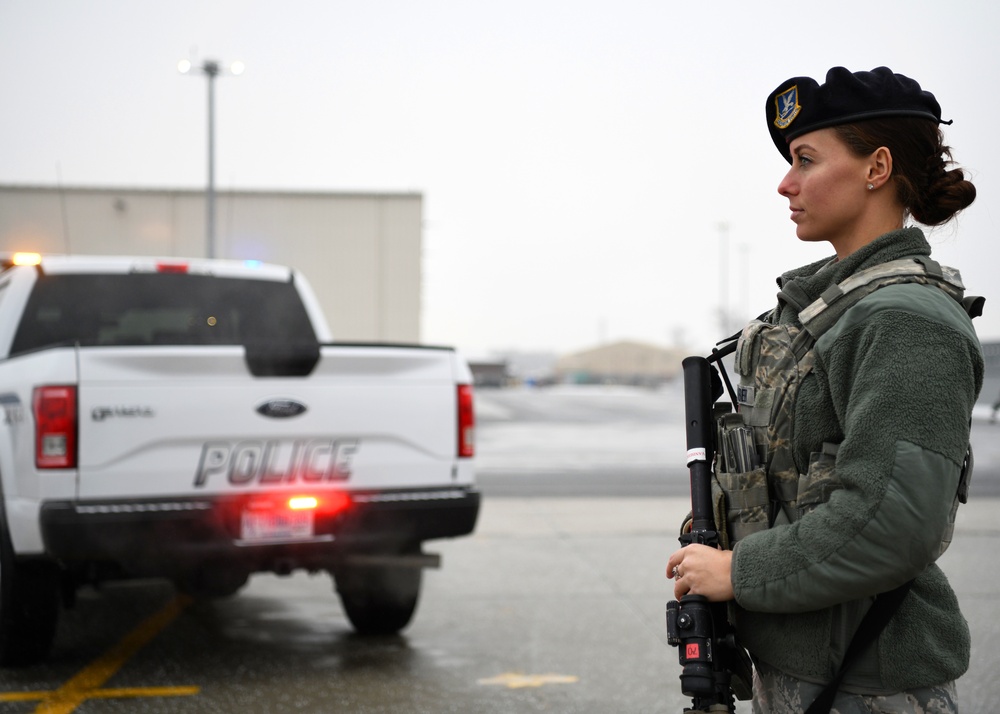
579	159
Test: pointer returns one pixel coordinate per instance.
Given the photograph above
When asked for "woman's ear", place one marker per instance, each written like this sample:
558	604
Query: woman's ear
880	166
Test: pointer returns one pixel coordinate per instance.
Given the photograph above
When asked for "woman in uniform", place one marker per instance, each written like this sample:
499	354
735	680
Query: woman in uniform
864	446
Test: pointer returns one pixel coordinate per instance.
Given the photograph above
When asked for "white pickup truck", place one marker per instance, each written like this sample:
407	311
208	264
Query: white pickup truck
191	419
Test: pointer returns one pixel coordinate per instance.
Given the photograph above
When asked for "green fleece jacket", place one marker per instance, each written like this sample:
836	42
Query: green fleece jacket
894	385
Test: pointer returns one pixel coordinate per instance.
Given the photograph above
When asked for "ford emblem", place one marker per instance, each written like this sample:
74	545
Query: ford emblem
281	408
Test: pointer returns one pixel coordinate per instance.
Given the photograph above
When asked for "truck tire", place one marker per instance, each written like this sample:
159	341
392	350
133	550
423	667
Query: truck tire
29	607
378	600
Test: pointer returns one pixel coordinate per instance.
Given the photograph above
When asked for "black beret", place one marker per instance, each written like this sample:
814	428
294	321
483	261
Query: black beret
800	104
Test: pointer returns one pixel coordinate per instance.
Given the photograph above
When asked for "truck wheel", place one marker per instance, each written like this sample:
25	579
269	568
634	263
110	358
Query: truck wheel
29	607
378	600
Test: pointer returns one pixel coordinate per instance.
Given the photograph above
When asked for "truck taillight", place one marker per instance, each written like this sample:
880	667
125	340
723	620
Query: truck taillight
466	422
326	503
55	427
303	503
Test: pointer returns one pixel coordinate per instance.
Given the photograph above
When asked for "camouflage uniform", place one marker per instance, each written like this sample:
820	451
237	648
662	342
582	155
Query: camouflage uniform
777	693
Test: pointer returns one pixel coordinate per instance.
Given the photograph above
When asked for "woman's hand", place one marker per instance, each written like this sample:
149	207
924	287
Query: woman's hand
701	570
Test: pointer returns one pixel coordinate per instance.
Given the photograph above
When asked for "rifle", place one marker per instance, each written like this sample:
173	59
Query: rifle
715	668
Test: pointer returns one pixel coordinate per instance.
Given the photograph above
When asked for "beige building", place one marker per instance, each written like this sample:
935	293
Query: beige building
625	362
360	251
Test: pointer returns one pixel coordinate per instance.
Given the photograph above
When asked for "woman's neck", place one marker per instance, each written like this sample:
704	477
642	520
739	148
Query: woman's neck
876	224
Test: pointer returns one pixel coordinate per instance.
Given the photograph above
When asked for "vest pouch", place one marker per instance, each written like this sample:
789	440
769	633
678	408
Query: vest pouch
746	502
740	487
816	485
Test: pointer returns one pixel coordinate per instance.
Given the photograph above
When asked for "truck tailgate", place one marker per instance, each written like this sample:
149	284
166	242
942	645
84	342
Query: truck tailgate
168	421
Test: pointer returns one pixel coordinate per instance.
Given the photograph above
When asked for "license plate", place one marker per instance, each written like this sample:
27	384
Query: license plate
269	525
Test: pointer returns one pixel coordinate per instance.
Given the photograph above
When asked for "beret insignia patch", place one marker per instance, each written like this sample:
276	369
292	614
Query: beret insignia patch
787	107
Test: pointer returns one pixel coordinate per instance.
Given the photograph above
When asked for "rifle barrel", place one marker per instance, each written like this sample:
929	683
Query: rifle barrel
700	443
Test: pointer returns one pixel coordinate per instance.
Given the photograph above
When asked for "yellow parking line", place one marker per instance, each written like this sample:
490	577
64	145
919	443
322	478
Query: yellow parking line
144	692
22	696
87	683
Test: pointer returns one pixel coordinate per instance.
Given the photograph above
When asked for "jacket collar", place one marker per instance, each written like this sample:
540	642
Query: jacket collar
800	287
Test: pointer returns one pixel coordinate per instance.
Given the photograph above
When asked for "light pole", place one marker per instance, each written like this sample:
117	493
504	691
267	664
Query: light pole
723	227
211	69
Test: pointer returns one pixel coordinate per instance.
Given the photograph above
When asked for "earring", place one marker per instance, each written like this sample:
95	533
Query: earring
871	186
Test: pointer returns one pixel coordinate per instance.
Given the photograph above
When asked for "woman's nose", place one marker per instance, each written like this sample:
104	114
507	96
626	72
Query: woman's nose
786	187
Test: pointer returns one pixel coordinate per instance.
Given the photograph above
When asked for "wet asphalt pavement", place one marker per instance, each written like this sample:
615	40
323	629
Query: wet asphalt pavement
555	604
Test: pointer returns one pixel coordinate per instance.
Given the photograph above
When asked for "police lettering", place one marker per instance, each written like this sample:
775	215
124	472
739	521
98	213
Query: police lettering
276	462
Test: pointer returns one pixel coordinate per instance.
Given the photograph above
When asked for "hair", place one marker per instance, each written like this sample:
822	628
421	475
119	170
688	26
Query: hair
926	186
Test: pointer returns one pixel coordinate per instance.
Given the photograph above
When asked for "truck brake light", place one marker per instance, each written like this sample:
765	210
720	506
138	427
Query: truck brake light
466	422
303	503
165	267
327	503
55	427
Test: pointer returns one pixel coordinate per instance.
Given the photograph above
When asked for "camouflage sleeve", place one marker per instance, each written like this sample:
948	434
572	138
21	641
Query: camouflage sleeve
900	372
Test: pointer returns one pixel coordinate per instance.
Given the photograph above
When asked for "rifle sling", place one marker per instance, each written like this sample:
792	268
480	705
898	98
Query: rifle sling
872	624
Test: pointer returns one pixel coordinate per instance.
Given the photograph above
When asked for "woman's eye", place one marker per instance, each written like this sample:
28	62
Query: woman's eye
804	160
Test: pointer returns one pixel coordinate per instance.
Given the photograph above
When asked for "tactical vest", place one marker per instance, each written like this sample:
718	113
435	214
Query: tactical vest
757	484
